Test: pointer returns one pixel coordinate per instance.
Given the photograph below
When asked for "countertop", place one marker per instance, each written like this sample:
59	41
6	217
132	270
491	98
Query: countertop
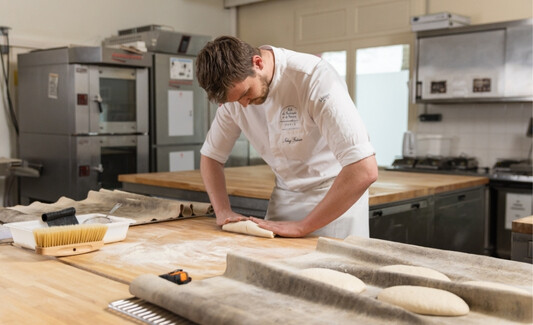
258	181
523	225
77	289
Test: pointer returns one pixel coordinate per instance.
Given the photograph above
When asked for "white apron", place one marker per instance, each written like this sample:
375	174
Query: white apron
285	205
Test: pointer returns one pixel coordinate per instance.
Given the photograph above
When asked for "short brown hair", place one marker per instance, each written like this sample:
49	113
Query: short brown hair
223	62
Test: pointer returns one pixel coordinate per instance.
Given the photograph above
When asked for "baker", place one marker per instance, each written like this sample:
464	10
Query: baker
297	114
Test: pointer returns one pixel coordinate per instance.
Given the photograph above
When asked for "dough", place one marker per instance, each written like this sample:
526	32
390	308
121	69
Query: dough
247	227
497	286
426	301
335	278
415	270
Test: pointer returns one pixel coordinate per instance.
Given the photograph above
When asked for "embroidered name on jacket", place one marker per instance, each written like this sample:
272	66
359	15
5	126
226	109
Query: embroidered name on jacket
289	119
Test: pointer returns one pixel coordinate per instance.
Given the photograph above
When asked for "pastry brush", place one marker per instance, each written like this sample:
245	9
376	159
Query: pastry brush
69	240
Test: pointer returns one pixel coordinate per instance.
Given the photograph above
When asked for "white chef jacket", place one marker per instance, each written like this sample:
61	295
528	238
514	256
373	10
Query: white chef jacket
306	131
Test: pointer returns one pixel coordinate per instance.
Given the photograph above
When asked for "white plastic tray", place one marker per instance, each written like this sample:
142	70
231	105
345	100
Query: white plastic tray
22	232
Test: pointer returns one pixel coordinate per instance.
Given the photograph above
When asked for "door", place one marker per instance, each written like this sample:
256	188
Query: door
118	100
180	104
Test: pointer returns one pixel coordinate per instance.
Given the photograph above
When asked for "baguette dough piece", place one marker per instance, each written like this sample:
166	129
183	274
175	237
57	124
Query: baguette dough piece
248	227
415	270
335	278
424	300
497	286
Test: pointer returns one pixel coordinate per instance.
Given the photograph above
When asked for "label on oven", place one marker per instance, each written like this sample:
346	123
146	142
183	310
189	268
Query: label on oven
517	205
181	69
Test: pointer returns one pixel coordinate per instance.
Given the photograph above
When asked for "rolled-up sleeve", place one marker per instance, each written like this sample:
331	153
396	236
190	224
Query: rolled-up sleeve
339	121
221	137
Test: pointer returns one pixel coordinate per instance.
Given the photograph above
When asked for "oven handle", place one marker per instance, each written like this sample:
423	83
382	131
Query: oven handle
98	100
98	168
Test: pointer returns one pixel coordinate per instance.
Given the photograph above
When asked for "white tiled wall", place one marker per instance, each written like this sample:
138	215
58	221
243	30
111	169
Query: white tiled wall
485	131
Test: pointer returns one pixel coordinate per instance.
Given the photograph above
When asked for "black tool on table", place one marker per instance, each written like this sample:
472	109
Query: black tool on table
60	218
177	276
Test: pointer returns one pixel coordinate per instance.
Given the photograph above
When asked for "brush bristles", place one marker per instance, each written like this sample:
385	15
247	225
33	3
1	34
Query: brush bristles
66	235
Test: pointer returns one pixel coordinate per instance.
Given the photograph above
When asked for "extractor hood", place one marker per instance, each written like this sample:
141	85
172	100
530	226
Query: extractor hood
480	63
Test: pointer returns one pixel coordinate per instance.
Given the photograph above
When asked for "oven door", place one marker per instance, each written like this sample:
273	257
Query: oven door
510	200
121	154
119	100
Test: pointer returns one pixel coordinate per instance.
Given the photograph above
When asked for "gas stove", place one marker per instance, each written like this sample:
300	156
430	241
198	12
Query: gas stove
513	170
460	164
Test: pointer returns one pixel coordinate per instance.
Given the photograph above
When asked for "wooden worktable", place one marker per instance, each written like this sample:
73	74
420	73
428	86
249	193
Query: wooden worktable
196	245
257	182
39	290
77	289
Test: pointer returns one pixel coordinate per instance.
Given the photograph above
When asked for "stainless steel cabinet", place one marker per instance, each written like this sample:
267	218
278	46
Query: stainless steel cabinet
460	221
409	221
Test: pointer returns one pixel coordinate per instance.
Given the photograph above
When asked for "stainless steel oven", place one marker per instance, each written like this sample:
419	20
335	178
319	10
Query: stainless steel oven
121	99
511	192
74	165
84	117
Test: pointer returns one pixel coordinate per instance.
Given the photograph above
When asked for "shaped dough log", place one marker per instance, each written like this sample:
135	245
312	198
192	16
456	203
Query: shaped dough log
248	227
426	301
415	270
335	278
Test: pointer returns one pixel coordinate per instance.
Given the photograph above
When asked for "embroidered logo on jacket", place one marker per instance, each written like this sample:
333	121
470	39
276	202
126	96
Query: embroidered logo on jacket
289	119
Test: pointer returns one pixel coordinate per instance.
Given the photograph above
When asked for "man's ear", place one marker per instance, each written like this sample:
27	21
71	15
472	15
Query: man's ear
257	62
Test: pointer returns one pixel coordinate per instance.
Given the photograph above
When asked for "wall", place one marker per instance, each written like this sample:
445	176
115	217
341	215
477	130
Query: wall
53	23
487	132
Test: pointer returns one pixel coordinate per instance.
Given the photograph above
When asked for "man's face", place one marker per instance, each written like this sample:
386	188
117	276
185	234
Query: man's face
251	91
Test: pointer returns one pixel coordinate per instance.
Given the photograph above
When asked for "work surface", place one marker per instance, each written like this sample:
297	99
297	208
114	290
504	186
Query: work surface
77	289
196	245
258	181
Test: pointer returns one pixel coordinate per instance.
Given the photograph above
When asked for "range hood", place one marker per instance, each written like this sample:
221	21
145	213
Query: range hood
480	63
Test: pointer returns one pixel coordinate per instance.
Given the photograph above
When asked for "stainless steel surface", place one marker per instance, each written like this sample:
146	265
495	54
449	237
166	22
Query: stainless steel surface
482	63
84	118
103	219
146	312
196	113
504	193
161	41
85	55
179	126
408	145
73	108
73	165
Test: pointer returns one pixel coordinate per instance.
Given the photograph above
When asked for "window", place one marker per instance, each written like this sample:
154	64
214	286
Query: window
337	59
381	96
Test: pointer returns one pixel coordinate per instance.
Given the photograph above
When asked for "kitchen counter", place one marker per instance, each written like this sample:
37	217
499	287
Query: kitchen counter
257	182
196	245
77	289
37	289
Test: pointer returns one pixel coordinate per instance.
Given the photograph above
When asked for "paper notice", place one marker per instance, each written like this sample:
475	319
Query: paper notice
180	113
181	160
181	69
517	206
53	80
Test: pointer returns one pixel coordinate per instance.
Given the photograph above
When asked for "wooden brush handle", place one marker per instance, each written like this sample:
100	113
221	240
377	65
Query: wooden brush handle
72	249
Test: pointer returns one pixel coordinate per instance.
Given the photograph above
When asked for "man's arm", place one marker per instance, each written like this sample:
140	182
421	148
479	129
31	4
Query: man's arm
353	180
215	183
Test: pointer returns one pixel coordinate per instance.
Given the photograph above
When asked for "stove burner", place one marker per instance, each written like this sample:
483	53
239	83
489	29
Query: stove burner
437	163
513	167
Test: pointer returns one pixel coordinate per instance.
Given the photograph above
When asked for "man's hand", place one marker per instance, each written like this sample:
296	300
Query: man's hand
230	217
282	228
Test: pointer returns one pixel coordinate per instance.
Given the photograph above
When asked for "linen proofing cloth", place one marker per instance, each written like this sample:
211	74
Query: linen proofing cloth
256	292
143	209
